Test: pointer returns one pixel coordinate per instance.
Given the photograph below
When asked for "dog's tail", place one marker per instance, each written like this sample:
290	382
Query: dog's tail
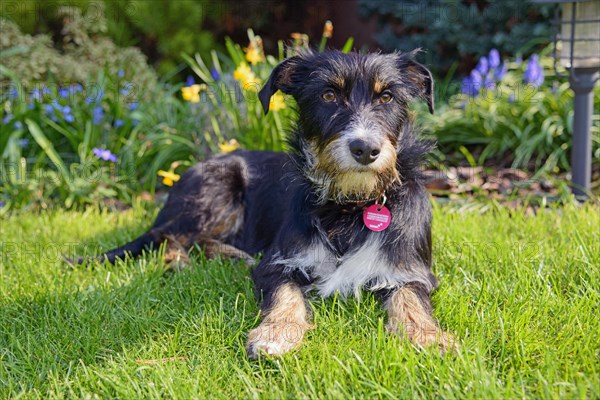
147	241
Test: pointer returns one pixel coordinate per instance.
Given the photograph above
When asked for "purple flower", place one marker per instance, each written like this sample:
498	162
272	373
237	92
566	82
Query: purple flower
476	76
133	106
69	118
125	90
118	123
214	74
494	58
23	143
489	82
534	73
30	106
13	93
6	118
120	73
92	99
105	155
482	66
190	81
63	92
470	87
97	115
500	72
49	109
66	110
2	204
36	94
18	125
511	98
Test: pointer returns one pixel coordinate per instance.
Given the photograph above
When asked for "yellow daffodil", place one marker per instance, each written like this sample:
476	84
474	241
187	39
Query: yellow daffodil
242	72
254	55
191	93
169	177
254	51
246	77
277	102
230	146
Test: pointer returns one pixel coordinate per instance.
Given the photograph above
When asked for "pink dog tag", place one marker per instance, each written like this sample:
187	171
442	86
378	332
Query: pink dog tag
377	217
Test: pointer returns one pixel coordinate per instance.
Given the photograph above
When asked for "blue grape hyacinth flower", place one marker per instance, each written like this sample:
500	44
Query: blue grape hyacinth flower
494	58
482	66
470	86
534	73
215	74
97	115
500	72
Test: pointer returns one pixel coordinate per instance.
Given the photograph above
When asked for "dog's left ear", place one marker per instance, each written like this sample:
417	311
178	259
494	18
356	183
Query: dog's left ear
419	77
280	79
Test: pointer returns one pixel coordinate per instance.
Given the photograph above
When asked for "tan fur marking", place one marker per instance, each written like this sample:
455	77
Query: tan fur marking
342	184
338	81
176	253
226	222
213	248
283	326
378	86
407	315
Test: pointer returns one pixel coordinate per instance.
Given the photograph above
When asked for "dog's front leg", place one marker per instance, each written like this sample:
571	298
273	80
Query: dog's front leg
410	313
284	323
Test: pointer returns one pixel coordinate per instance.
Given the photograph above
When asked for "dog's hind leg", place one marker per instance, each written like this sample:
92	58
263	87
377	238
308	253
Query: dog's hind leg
147	241
410	313
284	323
214	248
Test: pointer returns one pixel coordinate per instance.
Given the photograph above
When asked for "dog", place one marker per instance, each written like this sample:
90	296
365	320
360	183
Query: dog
345	210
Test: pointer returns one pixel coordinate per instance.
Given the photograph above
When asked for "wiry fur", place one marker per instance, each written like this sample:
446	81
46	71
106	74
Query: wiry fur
304	210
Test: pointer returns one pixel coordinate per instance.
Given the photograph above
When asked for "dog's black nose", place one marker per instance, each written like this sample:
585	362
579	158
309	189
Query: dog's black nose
364	152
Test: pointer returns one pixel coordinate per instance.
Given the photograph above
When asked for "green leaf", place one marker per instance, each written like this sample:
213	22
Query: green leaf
347	48
49	150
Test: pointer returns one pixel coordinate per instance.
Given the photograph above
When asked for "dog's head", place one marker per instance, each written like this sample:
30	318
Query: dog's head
353	108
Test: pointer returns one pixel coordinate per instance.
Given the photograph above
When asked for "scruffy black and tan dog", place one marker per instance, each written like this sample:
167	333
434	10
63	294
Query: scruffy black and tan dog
345	210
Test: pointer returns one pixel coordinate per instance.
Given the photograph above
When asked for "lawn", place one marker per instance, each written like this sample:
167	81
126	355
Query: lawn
520	291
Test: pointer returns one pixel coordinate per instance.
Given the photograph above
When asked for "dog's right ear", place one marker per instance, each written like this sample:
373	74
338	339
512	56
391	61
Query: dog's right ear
280	79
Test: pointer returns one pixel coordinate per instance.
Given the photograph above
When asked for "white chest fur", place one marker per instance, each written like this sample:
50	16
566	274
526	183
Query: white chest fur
354	270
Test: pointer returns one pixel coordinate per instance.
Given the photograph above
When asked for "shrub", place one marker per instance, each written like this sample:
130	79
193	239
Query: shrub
453	30
78	56
513	112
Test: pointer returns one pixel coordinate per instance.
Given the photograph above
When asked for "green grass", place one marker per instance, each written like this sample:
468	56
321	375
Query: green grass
521	292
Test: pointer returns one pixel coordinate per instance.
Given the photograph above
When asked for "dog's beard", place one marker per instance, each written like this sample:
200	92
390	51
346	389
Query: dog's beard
337	177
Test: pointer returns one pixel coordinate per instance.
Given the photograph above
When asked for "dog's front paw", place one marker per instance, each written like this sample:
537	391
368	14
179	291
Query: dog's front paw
427	335
445	341
274	339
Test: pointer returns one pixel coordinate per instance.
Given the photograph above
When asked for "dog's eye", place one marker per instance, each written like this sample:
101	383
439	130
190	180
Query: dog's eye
328	96
386	97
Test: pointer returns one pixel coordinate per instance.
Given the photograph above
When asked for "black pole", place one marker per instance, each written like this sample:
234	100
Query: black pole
582	82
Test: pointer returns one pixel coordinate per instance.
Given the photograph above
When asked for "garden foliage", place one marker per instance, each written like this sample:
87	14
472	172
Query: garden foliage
84	120
511	112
